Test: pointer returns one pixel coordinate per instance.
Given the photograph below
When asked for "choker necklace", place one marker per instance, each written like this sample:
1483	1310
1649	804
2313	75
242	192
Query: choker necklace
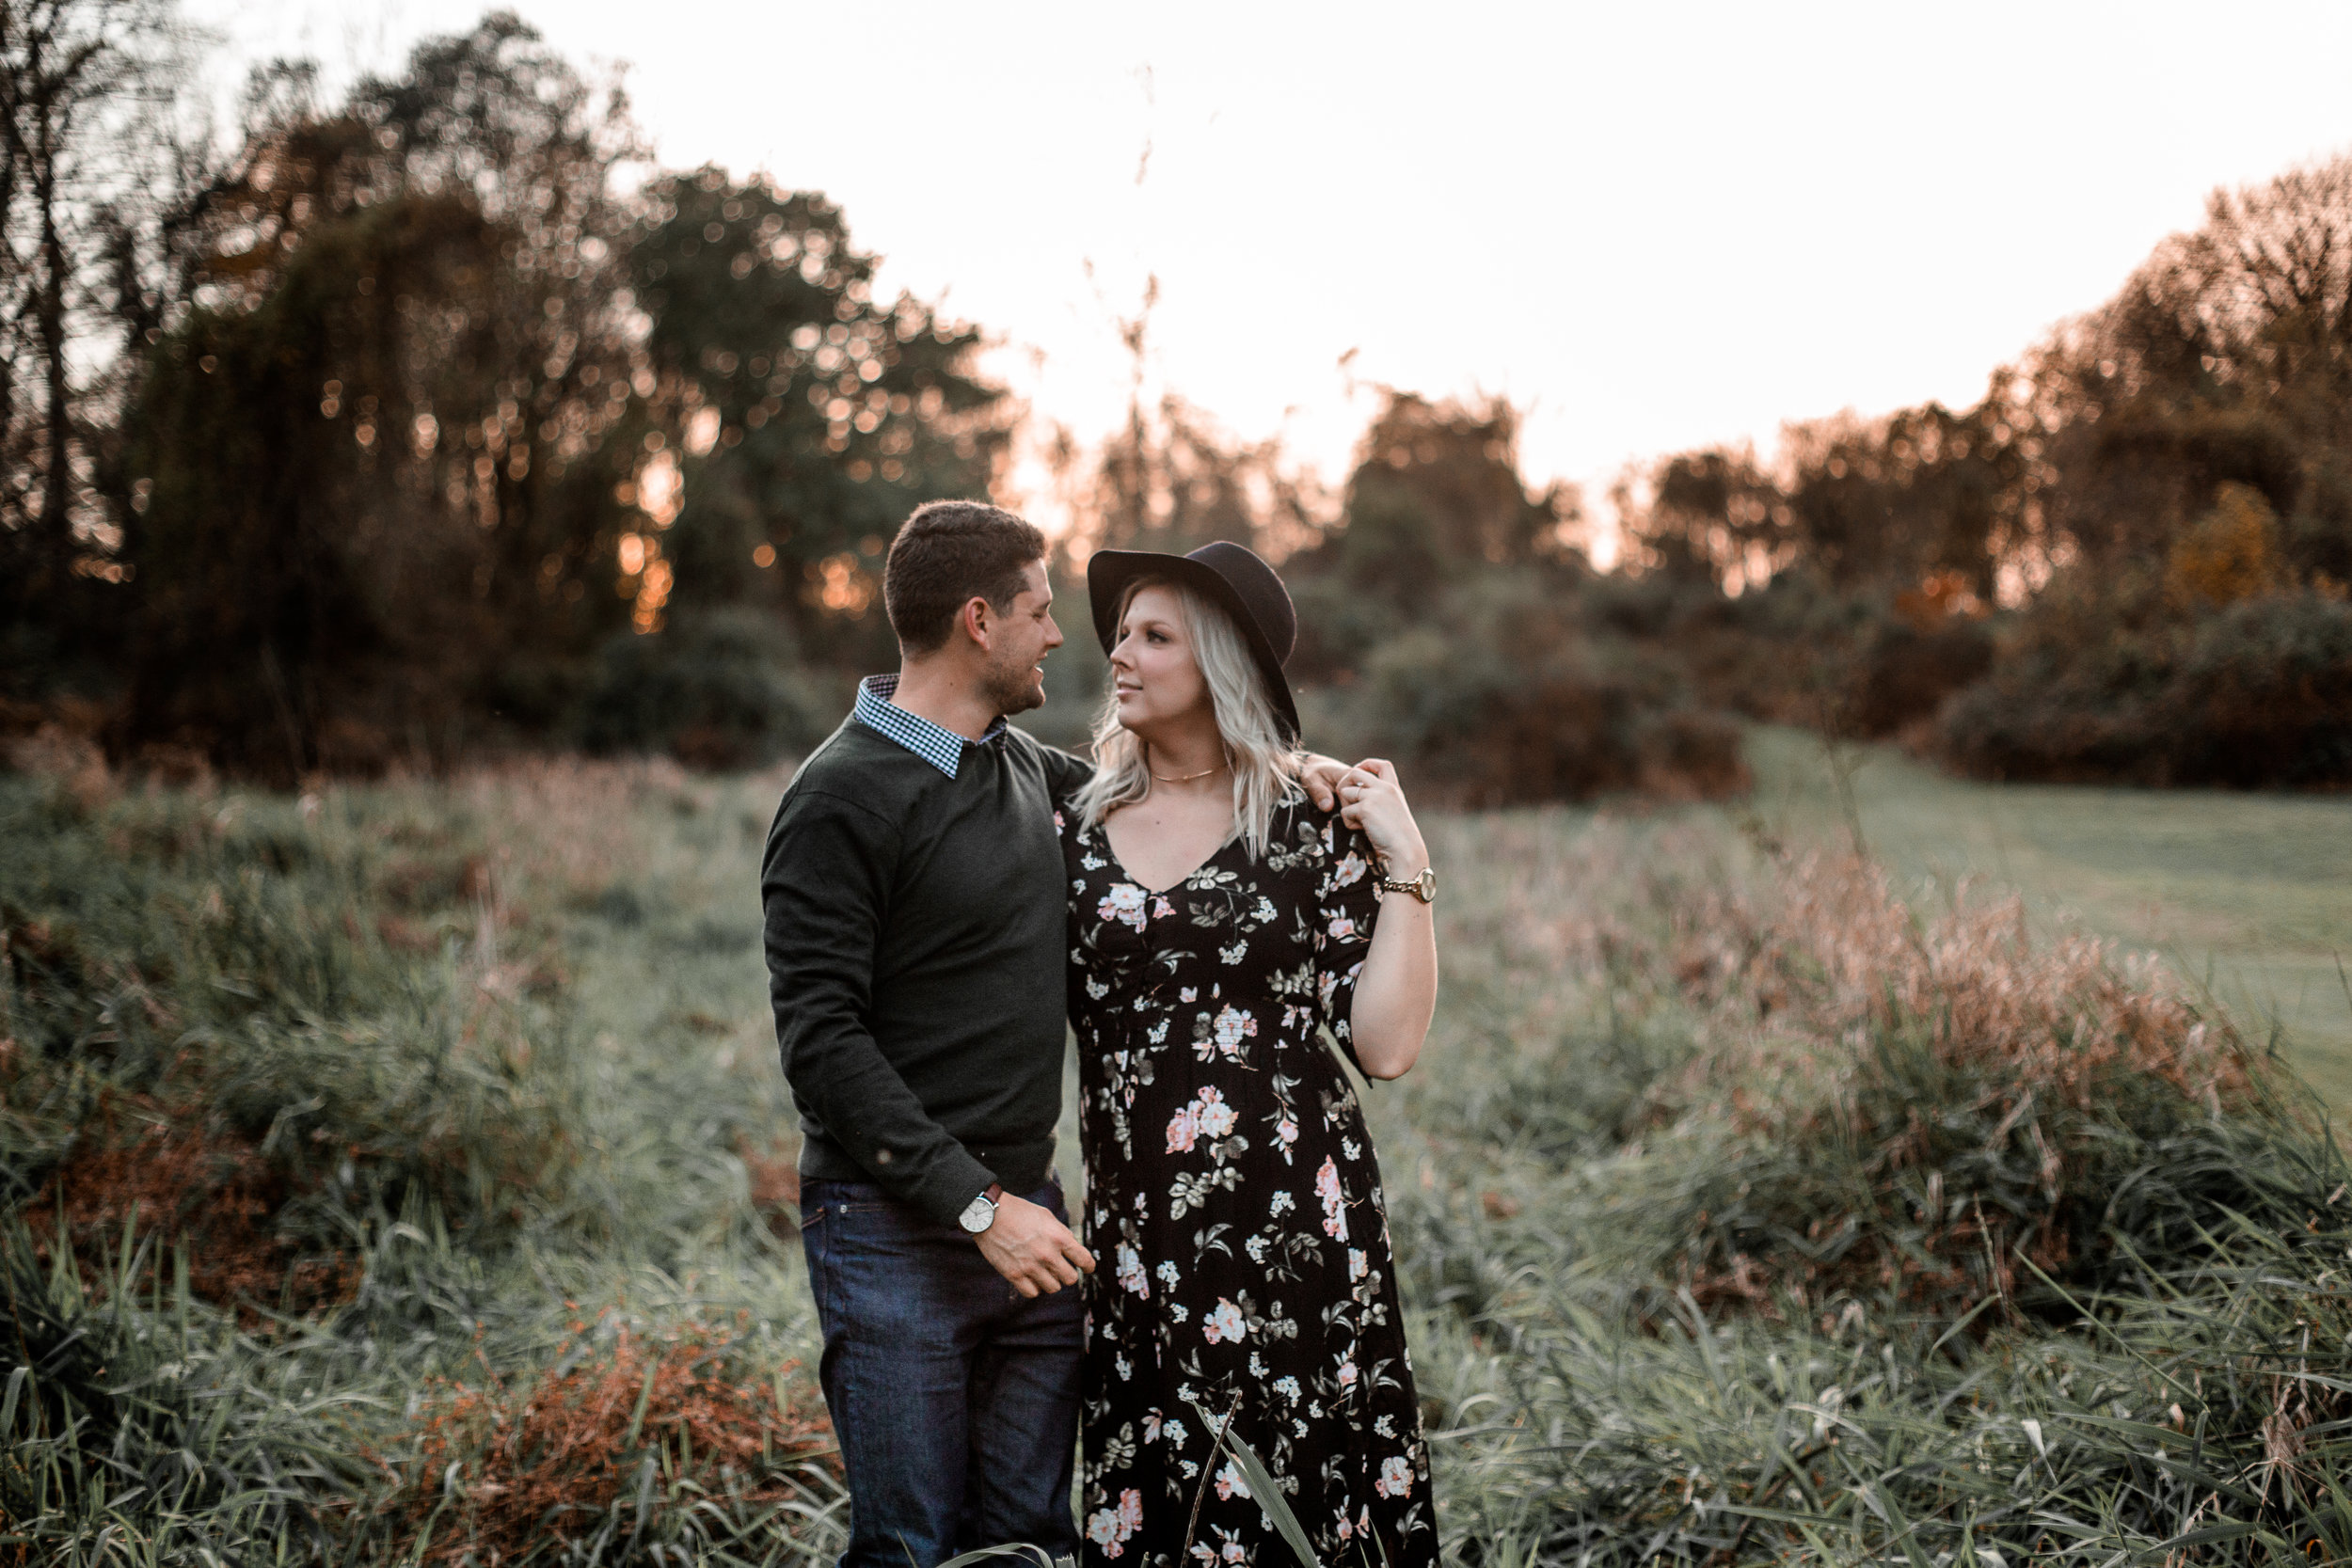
1187	778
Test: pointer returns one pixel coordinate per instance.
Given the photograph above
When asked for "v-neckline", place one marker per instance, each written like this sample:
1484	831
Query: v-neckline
1112	849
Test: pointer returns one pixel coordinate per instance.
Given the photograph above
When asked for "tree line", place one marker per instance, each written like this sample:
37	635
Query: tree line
409	428
2128	562
431	416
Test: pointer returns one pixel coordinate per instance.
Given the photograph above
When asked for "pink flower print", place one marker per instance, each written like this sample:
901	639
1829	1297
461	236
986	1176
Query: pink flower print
1211	1115
1110	1528
1188	994
1334	1205
1396	1479
1229	1482
1124	903
1131	1274
1325	986
1184	1130
1347	1527
1223	1325
1235	1025
1287	1130
1161	907
1350	869
1357	1266
1347	1371
1342	928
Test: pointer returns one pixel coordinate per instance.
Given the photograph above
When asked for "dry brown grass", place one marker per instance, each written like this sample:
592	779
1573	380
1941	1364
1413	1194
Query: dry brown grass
2053	1022
500	1466
144	1169
1943	1098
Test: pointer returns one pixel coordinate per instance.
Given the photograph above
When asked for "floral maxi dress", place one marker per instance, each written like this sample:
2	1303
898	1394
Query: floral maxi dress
1234	1210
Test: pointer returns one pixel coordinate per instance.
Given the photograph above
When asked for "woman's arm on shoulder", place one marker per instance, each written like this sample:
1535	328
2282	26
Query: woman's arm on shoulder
1396	995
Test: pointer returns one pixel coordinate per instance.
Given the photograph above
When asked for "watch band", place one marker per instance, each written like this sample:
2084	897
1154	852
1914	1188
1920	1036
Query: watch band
1423	885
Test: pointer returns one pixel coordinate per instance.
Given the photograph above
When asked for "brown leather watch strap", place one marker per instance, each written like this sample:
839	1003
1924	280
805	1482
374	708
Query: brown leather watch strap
995	1193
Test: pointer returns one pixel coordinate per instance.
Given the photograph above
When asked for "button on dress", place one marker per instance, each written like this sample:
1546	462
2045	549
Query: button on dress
1234	1210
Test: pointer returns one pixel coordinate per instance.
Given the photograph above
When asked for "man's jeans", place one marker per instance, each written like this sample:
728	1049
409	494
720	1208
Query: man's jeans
954	1399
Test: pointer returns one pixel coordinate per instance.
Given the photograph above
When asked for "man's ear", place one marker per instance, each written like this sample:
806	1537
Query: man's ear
975	620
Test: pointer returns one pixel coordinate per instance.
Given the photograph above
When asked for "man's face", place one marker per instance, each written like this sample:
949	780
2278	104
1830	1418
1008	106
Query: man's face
1019	639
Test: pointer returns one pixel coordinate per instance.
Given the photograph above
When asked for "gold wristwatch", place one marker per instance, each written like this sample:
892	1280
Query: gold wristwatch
1423	887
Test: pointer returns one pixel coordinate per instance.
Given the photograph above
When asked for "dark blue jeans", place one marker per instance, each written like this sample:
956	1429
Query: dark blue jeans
955	1399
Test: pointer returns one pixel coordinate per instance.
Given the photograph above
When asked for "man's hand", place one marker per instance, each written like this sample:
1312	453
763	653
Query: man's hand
1029	1246
1320	777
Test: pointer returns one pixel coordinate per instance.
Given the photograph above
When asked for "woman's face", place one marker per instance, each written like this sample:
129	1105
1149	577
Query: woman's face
1152	669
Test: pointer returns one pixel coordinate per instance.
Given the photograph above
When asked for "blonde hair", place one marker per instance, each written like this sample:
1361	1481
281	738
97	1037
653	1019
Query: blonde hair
1264	764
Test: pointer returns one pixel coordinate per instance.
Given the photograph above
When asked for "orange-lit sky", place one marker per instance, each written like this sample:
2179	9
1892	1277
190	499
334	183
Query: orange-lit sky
1653	226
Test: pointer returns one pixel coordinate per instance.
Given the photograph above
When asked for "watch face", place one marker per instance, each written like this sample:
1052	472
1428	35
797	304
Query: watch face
977	1215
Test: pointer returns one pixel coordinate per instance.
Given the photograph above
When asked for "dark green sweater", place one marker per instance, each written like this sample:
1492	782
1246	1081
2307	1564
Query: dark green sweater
915	949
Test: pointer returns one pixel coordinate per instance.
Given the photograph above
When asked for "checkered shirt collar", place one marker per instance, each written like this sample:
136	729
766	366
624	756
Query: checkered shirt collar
942	748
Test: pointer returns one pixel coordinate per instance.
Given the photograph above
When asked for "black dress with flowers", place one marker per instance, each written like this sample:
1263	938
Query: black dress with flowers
1234	1210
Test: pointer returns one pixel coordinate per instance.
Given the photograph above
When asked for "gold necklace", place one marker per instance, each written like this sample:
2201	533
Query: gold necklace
1188	777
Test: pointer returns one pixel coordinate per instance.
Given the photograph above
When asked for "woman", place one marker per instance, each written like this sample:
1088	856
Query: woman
1218	925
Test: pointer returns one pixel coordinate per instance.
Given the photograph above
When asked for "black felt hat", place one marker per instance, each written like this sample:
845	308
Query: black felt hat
1229	574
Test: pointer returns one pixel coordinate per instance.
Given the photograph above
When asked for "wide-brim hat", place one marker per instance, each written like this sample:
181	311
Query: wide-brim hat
1230	576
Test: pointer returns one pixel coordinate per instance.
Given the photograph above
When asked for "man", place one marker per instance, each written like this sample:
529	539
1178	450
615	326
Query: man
914	932
915	921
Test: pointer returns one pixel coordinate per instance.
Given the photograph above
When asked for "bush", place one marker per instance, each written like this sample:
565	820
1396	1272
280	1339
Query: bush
725	690
1946	1108
1905	672
2257	693
1505	697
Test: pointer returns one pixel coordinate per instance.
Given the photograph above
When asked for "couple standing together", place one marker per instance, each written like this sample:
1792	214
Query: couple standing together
1202	904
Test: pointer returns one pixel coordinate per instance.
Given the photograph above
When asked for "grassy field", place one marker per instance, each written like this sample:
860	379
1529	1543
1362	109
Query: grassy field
402	1173
2252	893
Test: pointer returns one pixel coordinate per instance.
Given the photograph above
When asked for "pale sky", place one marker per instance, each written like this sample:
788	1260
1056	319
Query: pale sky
1652	226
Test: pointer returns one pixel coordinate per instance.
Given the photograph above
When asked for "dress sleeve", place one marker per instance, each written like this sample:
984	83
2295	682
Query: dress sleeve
1348	905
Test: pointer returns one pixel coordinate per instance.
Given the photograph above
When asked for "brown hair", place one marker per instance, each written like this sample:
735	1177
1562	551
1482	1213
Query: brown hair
947	554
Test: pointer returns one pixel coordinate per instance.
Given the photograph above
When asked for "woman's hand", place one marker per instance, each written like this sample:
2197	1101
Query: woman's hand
1373	800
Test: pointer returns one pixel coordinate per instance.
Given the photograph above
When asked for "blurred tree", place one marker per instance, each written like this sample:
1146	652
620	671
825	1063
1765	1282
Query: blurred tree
1714	516
90	148
2227	359
1436	498
381	463
814	419
1169	480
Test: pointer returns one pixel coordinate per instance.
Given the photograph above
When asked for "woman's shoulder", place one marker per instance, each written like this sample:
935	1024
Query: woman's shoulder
1305	829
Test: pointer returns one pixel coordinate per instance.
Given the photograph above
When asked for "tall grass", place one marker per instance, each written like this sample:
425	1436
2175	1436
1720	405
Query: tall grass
402	1173
1893	1238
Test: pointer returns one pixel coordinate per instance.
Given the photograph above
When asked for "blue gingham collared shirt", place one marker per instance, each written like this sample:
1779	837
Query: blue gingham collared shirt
942	748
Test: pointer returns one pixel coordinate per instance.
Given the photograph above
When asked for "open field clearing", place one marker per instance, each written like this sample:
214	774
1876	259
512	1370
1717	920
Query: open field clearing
402	1173
2253	890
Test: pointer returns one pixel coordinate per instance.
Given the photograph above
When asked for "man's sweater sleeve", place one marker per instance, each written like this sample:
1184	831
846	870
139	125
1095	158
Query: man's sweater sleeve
825	889
1065	773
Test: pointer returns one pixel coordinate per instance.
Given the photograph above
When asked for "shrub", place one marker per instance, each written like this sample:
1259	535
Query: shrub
1941	1109
1504	697
2256	694
1906	672
724	689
